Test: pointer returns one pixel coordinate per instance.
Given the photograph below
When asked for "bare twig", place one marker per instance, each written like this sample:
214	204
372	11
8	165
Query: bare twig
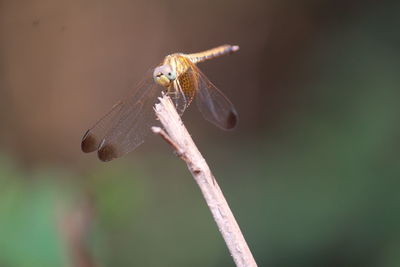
74	222
177	136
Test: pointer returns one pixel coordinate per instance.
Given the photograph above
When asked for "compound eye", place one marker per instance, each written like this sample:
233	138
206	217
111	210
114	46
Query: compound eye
171	75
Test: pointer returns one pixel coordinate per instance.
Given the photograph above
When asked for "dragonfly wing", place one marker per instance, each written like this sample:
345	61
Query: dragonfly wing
126	125
179	98
213	104
94	136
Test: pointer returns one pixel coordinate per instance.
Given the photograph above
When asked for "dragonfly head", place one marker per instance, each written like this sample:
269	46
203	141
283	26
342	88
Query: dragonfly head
164	75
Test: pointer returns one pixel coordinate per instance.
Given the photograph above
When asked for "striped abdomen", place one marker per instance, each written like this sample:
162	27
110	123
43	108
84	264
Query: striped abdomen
212	53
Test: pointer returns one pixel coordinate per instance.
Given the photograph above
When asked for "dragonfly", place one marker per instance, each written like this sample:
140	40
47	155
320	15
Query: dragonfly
127	124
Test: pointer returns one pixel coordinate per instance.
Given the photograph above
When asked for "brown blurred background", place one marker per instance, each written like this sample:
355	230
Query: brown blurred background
311	172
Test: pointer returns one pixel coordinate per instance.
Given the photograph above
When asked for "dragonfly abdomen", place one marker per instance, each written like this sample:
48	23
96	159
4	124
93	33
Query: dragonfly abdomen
212	53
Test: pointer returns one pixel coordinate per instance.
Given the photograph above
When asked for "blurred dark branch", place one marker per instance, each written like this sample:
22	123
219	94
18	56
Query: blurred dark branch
178	137
74	224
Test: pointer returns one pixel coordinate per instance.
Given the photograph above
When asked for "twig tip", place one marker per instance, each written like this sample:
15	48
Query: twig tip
156	129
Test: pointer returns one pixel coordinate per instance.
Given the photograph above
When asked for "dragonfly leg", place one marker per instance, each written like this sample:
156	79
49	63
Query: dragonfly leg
173	95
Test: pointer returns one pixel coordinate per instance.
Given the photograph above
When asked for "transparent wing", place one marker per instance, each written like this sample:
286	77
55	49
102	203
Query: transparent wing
126	125
179	98
213	104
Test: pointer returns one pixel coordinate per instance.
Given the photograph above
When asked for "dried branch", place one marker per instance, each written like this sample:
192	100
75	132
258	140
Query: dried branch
178	137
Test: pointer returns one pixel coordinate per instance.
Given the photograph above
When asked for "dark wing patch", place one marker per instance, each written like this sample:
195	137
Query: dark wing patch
213	104
94	136
125	127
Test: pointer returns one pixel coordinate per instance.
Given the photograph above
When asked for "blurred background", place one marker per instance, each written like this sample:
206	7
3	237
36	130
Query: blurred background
311	172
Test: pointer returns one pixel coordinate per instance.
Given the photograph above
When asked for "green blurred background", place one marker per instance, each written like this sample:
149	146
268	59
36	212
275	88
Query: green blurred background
311	172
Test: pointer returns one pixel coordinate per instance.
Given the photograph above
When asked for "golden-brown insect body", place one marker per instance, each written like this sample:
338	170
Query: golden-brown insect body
126	125
186	81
